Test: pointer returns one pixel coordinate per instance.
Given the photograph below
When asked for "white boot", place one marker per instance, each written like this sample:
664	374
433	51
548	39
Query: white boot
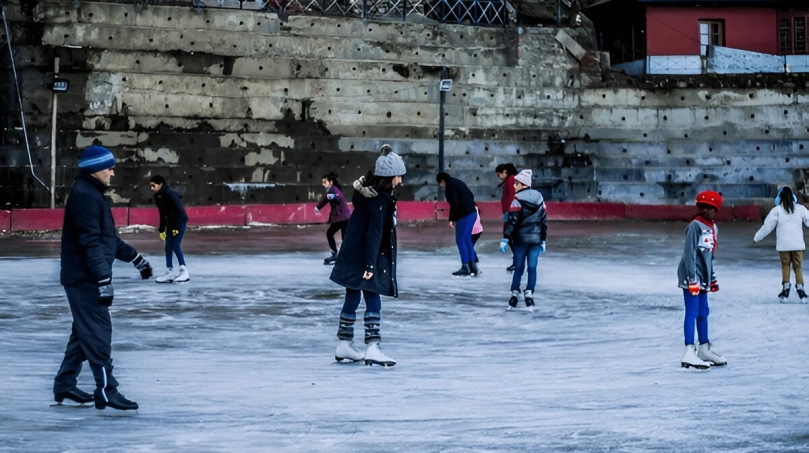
183	275
690	359
705	353
345	351
374	356
168	277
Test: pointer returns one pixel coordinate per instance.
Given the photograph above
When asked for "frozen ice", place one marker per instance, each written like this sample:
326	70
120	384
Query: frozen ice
241	358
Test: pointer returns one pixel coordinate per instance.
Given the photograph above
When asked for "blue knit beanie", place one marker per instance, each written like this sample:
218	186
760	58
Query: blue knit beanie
95	158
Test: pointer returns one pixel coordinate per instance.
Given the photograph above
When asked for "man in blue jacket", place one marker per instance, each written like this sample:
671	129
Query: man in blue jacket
90	244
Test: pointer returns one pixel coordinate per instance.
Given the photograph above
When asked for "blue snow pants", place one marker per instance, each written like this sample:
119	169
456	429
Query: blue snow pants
90	339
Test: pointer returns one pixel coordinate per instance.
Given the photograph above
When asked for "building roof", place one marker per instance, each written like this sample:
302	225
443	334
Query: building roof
718	2
695	2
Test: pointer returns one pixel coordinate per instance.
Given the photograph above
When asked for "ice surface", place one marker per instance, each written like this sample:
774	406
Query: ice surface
242	357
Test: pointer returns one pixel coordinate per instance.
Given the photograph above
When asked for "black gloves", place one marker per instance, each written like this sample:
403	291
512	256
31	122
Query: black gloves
142	266
105	292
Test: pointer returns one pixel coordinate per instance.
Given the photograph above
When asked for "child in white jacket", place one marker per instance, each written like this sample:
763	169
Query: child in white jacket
787	219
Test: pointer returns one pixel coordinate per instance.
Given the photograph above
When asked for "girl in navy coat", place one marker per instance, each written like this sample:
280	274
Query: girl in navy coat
173	220
338	213
366	264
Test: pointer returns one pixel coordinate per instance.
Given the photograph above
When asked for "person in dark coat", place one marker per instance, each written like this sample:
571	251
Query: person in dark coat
526	229
173	221
90	244
462	216
506	173
338	213
366	264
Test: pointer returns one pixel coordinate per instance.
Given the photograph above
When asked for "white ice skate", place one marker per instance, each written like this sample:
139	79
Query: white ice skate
182	276
690	359
705	353
345	351
374	356
168	277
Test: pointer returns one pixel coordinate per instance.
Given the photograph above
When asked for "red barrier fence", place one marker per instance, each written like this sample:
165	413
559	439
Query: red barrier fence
300	213
5	221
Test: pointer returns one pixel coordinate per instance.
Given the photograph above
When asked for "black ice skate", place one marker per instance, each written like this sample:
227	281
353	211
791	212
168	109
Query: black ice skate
801	294
74	395
330	260
113	399
529	300
512	301
784	295
463	271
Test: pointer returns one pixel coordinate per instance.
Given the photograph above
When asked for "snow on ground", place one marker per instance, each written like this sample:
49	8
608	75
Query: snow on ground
241	358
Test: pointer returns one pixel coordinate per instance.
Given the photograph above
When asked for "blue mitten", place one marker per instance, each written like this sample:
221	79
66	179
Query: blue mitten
504	245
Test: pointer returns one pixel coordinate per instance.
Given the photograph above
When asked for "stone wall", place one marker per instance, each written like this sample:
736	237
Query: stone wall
240	106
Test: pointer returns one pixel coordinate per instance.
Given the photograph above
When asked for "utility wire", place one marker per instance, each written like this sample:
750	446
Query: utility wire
19	99
673	28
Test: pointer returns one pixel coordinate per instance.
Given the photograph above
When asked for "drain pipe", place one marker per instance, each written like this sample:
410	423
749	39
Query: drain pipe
19	97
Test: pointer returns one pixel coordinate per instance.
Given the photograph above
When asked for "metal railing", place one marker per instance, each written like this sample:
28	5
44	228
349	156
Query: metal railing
472	12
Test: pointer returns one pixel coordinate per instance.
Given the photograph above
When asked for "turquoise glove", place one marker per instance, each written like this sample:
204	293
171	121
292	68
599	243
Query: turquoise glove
504	245
542	247
505	217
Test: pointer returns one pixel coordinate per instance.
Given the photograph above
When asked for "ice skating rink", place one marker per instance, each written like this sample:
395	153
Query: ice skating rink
240	359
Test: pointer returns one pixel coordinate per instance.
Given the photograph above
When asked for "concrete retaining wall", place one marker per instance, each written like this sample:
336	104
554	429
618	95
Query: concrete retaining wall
240	107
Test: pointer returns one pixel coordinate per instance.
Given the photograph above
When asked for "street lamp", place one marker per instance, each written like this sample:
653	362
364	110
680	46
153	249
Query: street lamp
443	86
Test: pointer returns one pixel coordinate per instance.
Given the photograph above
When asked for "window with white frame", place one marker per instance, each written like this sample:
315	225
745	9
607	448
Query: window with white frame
711	33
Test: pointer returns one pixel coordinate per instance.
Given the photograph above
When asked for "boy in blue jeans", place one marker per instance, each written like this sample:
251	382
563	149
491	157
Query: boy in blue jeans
527	228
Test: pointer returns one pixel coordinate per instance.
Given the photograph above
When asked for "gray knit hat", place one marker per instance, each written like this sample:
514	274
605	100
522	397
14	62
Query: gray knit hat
524	177
389	163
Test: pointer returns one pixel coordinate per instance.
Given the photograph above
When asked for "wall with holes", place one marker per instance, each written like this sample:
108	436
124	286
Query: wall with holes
240	106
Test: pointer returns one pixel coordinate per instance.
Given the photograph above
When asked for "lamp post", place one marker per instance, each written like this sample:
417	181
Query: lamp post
58	86
443	86
53	134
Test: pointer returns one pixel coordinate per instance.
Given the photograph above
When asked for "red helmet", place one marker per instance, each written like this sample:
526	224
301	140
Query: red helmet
710	198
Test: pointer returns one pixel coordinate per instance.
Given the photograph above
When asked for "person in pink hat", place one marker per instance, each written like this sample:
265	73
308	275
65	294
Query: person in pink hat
527	229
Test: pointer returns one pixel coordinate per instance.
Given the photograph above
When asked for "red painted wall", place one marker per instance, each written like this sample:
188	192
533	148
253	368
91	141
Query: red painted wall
675	30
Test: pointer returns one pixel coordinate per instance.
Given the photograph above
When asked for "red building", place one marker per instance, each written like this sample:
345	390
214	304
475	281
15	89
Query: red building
672	30
633	29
